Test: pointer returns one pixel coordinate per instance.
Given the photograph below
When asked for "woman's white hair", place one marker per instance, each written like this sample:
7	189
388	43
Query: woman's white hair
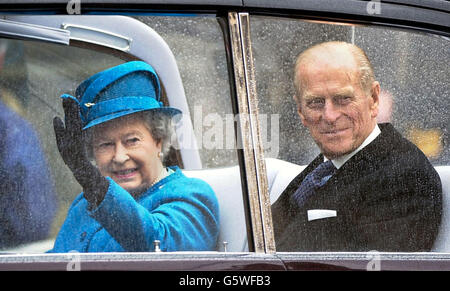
160	125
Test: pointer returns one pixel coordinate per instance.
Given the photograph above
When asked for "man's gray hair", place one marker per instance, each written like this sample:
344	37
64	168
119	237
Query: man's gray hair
366	73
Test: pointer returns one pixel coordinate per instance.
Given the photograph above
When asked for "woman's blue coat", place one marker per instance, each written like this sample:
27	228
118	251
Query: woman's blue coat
182	213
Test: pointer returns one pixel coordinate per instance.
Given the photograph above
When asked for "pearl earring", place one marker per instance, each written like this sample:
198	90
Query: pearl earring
160	155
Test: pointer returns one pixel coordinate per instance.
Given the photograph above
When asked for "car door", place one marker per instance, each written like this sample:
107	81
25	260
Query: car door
196	57
408	47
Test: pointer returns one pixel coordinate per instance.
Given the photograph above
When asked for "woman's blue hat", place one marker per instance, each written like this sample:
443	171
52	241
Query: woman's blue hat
121	90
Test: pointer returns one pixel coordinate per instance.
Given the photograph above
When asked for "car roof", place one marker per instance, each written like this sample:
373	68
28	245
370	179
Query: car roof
290	4
429	14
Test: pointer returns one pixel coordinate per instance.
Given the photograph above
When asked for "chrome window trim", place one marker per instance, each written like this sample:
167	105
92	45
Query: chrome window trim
33	32
245	133
258	150
256	178
111	40
214	261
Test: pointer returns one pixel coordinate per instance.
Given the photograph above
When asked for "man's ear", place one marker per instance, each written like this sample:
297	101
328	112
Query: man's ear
375	95
299	109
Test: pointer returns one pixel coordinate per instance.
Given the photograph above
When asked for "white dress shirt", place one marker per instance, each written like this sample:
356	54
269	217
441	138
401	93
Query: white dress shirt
339	162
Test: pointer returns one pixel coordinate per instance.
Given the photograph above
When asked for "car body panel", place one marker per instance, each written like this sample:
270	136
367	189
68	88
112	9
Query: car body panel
176	261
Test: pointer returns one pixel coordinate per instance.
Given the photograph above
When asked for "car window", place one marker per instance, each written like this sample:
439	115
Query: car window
411	67
198	46
35	75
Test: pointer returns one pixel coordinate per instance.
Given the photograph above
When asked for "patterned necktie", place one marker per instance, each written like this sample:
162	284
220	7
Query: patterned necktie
314	180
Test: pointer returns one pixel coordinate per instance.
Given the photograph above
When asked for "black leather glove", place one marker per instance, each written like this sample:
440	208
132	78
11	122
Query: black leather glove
69	139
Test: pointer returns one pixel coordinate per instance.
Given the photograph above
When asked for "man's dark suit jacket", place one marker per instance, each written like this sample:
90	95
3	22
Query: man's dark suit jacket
388	197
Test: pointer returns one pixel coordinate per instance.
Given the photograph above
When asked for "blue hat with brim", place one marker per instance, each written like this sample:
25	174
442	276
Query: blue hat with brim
122	90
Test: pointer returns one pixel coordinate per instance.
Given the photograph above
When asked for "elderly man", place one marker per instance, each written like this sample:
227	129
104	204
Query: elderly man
370	188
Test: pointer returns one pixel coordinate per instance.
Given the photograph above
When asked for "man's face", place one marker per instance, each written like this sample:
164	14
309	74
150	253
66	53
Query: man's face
335	109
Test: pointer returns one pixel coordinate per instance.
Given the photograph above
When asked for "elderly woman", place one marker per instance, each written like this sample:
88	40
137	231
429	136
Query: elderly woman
129	198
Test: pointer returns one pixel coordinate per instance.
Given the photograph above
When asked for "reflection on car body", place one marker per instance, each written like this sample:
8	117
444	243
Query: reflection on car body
214	62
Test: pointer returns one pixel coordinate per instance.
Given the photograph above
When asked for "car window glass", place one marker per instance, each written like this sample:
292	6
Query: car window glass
41	189
35	74
198	46
413	72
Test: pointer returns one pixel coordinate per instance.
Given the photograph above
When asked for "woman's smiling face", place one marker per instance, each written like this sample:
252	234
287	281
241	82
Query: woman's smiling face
125	151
